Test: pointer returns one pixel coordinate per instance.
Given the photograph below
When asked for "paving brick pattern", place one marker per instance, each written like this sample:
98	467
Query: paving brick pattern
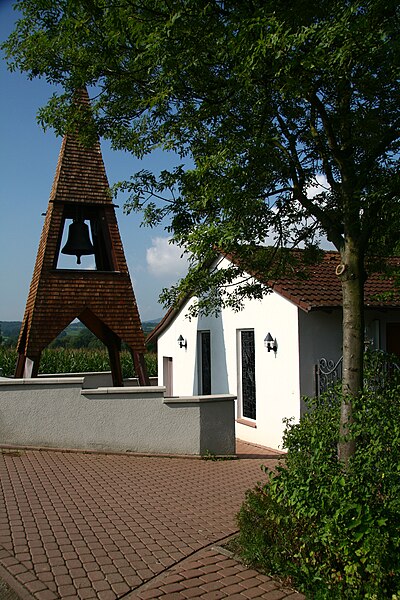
7	593
82	526
212	573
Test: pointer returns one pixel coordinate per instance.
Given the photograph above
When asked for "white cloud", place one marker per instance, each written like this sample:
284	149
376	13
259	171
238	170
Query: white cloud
320	185
165	259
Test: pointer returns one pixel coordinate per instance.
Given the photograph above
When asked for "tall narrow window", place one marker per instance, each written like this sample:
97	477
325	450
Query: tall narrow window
204	362
247	390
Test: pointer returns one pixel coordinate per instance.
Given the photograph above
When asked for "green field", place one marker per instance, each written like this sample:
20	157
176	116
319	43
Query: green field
75	360
76	335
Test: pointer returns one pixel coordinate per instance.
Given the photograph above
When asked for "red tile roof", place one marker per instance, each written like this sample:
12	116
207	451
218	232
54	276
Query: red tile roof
317	286
322	288
311	287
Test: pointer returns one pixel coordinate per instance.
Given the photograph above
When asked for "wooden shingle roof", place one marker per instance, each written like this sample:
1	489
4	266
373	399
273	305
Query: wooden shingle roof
102	298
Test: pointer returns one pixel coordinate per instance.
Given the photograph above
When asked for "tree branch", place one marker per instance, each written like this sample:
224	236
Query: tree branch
321	151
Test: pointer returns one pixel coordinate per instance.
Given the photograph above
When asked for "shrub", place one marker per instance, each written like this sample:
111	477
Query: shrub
333	533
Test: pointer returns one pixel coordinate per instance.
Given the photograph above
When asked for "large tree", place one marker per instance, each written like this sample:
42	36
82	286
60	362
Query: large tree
258	98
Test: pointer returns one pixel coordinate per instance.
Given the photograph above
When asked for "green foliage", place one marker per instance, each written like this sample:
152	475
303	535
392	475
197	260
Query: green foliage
74	361
255	98
9	332
8	360
151	363
209	455
80	338
333	533
82	360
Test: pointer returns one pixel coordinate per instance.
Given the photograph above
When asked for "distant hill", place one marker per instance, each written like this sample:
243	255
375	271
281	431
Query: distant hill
10	329
149	325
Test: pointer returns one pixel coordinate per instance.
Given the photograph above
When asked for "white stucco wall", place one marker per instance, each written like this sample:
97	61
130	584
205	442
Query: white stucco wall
183	359
277	376
282	380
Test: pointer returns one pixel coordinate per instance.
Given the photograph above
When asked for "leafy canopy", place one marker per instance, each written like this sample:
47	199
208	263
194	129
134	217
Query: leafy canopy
256	98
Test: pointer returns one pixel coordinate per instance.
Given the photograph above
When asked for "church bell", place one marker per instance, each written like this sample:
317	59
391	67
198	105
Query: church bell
78	242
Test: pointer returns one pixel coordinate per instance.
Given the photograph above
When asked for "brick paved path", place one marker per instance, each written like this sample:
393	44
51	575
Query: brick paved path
82	526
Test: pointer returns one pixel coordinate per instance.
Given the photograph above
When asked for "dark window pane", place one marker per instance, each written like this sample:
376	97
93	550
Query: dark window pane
248	375
205	363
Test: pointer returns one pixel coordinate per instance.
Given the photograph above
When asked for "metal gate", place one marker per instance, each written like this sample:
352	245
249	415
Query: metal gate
327	373
383	370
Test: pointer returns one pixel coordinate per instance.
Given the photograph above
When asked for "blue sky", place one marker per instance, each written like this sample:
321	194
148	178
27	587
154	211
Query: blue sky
28	159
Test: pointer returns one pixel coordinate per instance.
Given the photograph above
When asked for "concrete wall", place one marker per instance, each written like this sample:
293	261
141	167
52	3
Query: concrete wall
98	379
65	413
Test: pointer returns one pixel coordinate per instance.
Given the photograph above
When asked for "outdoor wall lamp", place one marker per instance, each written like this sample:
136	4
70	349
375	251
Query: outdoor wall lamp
270	343
182	342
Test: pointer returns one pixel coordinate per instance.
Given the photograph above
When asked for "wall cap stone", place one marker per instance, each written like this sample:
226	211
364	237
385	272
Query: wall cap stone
41	381
124	390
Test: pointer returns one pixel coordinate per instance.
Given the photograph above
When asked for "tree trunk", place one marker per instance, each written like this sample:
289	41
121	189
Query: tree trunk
351	273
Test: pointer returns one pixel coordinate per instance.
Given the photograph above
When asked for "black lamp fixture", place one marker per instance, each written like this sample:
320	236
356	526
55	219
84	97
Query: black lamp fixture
182	342
270	343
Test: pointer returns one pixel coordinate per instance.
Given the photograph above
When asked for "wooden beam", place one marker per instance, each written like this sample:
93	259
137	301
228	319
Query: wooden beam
140	368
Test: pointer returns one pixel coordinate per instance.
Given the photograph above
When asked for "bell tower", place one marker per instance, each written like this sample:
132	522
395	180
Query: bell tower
100	296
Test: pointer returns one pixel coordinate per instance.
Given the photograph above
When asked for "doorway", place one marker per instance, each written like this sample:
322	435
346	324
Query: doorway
168	375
